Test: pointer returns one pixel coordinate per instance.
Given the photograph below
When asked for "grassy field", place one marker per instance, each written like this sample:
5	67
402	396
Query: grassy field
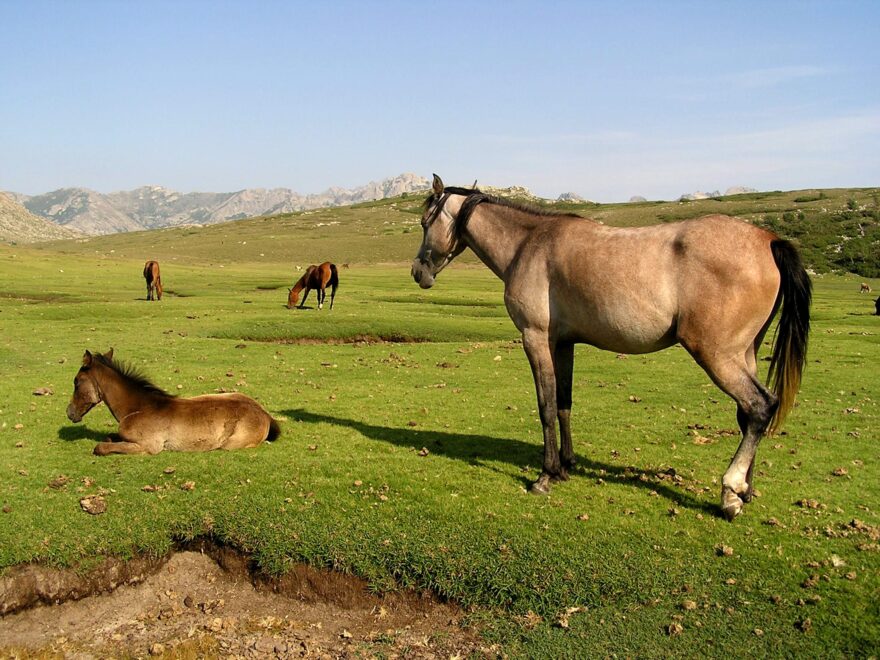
407	463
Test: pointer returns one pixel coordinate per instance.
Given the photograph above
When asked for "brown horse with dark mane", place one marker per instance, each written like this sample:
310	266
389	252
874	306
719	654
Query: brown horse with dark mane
154	281
712	284
151	420
318	278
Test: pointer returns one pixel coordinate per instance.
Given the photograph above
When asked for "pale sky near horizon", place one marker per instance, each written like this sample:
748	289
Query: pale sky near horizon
604	99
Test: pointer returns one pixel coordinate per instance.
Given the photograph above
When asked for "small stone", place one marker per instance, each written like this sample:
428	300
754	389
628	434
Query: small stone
157	649
93	505
43	391
674	629
804	625
424	451
688	605
723	550
168	470
188	485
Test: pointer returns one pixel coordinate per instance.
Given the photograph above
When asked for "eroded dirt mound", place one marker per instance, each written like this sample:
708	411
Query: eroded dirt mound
191	606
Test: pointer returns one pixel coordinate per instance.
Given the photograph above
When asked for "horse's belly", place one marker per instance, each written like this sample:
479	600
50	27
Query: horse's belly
623	331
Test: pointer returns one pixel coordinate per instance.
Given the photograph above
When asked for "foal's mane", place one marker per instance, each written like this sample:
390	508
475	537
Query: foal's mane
132	376
474	197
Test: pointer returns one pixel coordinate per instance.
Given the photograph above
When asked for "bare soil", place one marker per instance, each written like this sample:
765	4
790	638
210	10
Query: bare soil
205	602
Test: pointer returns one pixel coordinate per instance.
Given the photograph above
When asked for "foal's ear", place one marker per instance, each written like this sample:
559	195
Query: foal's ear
87	359
109	354
438	185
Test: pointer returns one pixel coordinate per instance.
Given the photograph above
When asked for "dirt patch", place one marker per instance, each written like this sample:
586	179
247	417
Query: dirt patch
393	338
205	602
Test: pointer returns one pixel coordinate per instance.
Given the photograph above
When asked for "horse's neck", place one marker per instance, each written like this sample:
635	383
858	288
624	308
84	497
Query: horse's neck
119	396
495	234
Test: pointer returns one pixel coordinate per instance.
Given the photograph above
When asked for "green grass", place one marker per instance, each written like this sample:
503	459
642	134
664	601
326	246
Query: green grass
346	486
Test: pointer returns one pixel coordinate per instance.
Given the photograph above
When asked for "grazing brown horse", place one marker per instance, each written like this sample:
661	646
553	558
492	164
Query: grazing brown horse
154	281
151	420
315	277
712	284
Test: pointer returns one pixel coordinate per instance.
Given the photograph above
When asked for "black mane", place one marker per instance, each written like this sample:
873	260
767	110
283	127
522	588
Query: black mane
132	375
474	197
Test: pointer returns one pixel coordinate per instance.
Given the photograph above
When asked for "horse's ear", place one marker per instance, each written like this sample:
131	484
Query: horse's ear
109	354
87	359
474	187
438	185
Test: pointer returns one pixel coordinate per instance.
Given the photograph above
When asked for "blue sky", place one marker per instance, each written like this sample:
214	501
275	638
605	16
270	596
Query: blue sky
605	99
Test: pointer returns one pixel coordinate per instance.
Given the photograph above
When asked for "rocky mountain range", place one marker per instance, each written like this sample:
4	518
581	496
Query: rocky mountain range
152	207
70	212
18	225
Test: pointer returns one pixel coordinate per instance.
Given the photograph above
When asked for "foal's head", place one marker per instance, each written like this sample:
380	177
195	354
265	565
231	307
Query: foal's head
441	240
86	393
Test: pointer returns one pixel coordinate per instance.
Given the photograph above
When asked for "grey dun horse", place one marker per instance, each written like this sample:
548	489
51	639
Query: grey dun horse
713	285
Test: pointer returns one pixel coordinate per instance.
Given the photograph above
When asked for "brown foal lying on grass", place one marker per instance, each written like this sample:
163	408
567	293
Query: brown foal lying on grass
151	420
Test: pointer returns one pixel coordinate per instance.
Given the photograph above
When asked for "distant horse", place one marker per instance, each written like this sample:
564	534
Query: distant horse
151	420
864	287
154	281
315	277
712	284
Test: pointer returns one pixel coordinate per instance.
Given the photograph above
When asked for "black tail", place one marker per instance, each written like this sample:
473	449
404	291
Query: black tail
274	430
790	344
334	283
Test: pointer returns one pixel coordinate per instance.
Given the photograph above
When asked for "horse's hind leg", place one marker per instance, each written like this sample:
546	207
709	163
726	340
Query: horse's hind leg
321	295
564	371
755	406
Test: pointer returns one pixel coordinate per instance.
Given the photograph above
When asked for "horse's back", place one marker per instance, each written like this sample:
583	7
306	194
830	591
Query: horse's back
228	420
629	289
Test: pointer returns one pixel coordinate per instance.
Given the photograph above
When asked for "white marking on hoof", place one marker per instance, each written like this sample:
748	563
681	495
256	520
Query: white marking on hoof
731	504
541	486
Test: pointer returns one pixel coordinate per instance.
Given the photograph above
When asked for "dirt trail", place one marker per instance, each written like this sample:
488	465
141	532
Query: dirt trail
192	607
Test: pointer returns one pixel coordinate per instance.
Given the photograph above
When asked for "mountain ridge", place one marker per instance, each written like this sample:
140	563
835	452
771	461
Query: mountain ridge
152	207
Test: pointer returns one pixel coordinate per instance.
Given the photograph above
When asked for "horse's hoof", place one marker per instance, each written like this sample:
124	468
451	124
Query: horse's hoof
731	505
541	486
562	475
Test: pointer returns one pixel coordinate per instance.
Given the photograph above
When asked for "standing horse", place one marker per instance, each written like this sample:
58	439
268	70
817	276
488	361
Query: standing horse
712	284
151	420
315	277
154	281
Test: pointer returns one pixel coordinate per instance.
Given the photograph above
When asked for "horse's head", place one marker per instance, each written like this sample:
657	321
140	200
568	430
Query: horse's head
86	393
441	241
292	297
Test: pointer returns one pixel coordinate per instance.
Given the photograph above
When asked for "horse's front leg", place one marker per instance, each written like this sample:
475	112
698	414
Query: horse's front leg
564	365
540	353
305	295
121	443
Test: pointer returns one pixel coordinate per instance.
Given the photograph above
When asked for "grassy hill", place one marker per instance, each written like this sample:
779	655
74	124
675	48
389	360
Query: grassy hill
407	463
836	229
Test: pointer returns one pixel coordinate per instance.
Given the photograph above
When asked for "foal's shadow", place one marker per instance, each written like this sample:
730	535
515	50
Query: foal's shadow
479	449
74	433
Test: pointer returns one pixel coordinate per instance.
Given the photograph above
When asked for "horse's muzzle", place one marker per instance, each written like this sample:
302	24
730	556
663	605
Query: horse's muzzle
72	414
421	273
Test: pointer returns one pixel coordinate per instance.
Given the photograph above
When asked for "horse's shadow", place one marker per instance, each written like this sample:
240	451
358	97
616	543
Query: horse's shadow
74	433
479	450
